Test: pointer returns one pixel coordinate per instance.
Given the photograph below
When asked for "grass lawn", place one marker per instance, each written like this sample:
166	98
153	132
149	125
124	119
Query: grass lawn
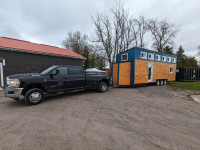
185	85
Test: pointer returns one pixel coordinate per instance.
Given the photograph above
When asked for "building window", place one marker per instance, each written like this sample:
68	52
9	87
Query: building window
124	57
171	69
163	58
151	56
169	59
173	60
158	57
143	55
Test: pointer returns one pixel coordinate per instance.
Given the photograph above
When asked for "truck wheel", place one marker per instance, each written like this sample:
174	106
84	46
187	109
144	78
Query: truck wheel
103	87
34	96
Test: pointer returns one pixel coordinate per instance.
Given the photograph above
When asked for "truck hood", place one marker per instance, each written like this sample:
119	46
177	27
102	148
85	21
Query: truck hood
25	75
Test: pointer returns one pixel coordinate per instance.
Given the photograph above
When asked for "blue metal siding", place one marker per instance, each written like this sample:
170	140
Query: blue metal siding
138	51
134	53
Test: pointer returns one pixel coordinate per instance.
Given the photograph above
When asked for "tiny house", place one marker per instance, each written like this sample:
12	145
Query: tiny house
142	66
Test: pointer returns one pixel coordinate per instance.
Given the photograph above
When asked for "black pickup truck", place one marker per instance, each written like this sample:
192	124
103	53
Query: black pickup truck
55	79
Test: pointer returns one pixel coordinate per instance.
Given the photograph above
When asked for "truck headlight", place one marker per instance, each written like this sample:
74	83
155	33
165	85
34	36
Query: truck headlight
13	83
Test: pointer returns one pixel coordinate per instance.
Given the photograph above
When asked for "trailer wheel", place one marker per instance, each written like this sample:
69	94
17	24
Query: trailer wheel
157	82
165	82
161	82
34	96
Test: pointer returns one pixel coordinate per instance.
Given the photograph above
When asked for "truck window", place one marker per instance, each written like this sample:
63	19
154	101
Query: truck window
75	71
62	71
47	70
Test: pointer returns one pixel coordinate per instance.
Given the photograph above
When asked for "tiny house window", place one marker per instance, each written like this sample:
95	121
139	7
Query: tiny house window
158	57
163	58
125	57
173	60
151	56
169	59
171	69
143	55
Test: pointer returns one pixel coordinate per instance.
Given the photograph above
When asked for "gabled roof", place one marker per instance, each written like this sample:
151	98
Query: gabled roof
30	47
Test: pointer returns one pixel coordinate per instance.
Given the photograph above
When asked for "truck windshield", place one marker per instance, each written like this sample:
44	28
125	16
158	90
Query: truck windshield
48	70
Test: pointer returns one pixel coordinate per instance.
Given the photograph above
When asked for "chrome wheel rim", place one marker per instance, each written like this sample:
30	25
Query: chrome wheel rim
35	97
104	87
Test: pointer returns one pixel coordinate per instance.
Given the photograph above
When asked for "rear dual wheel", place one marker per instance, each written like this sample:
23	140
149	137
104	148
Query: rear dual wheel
103	87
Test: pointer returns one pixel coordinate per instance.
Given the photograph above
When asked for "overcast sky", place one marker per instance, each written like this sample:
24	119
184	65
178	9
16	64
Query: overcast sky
48	21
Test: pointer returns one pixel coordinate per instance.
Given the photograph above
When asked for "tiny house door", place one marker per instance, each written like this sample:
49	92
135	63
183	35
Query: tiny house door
150	72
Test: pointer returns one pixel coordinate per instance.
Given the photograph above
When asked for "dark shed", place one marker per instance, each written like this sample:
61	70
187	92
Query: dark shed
27	57
187	74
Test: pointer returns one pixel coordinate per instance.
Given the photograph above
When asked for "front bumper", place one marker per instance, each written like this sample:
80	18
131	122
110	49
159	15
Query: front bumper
13	92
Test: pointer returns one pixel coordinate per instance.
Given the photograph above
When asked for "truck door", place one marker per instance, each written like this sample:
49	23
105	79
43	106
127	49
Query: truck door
58	79
76	77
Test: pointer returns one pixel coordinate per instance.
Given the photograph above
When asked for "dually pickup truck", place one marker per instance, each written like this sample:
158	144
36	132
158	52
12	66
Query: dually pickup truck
53	80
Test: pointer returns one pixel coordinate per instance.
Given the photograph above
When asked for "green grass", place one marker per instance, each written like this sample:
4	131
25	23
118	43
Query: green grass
186	85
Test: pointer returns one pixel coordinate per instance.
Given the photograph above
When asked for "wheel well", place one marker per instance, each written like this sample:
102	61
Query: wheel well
104	80
28	87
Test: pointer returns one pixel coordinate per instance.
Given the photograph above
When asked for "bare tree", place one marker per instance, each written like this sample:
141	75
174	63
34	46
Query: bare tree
163	33
139	29
76	41
114	35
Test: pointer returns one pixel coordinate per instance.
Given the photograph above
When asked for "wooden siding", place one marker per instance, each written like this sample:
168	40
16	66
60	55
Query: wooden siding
160	71
125	73
115	73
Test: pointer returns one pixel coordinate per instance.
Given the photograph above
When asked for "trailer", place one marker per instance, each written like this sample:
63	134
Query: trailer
188	74
142	66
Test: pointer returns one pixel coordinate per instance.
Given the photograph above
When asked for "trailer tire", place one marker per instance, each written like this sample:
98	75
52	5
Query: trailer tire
157	82
161	82
165	81
34	96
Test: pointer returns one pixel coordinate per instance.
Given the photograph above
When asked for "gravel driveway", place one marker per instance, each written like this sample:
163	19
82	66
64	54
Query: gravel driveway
138	118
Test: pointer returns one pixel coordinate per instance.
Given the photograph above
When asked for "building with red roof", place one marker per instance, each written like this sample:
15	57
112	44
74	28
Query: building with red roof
27	57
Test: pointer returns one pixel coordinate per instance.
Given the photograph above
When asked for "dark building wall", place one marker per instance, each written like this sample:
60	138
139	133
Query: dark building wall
18	62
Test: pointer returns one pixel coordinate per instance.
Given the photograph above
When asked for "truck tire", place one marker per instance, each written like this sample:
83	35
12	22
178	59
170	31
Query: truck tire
103	87
34	96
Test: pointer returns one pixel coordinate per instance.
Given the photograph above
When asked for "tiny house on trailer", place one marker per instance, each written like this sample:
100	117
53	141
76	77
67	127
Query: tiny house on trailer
142	66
